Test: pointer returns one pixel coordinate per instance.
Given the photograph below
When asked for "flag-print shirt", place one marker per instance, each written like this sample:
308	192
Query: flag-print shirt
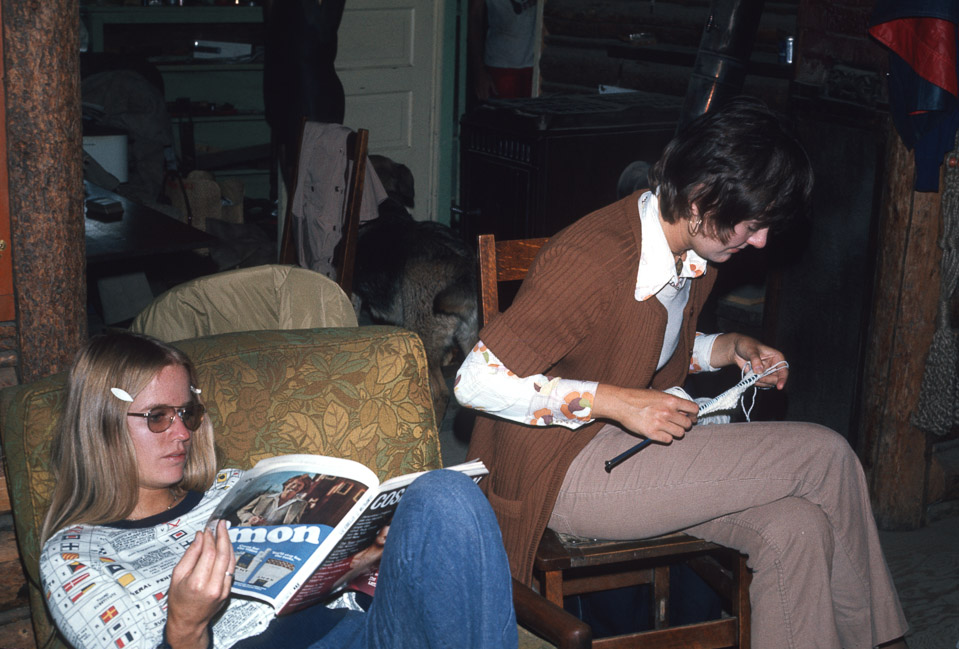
106	585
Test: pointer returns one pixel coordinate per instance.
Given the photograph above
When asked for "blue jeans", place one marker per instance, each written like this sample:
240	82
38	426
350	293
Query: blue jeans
444	581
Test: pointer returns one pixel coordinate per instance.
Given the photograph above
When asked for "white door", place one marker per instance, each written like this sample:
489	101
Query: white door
388	59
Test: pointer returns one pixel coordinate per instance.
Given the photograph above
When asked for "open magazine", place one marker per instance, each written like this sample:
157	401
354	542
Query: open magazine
305	526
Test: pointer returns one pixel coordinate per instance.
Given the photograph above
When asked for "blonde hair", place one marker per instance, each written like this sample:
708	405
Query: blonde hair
93	458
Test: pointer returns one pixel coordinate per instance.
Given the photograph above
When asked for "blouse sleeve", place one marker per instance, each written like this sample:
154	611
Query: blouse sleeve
702	352
484	383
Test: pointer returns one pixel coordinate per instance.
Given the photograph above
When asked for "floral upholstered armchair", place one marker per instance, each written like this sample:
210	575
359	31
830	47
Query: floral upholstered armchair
361	393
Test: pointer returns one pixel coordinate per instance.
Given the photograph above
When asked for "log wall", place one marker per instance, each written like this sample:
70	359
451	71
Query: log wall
578	35
897	455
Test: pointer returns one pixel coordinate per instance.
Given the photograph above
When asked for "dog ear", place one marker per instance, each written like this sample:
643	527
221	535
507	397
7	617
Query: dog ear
396	177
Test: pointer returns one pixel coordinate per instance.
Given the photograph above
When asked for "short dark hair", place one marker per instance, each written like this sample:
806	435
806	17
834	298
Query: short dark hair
736	163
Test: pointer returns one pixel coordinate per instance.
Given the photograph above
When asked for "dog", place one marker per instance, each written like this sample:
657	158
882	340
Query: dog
419	275
396	178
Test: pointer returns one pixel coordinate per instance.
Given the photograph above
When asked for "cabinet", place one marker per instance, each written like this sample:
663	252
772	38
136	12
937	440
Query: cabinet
226	123
532	166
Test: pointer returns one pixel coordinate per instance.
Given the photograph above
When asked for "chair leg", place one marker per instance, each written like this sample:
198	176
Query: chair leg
724	570
742	607
660	610
552	587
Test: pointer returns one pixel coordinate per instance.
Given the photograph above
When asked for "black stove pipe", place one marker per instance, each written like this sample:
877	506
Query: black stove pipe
724	51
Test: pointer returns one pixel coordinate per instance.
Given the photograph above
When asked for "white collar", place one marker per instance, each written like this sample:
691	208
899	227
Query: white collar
657	266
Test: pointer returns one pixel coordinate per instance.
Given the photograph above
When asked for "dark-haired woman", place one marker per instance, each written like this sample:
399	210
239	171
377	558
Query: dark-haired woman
127	561
604	323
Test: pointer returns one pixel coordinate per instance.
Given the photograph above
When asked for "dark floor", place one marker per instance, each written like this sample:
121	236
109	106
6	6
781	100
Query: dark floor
925	566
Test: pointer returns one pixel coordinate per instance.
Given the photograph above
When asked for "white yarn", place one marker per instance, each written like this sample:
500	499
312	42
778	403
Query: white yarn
726	402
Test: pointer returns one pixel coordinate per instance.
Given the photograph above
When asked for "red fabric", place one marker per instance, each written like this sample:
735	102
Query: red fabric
512	82
927	44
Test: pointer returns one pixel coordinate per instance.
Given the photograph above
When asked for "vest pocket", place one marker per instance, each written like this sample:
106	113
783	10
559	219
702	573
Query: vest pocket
507	511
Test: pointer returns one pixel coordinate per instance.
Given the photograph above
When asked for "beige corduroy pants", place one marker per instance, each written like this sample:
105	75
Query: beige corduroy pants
791	496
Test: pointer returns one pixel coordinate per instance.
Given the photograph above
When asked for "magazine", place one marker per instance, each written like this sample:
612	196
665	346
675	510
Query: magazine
306	526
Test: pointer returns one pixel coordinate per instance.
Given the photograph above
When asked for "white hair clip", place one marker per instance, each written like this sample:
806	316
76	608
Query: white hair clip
195	390
121	394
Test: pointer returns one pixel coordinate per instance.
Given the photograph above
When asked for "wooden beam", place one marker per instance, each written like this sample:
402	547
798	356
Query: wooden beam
41	69
893	451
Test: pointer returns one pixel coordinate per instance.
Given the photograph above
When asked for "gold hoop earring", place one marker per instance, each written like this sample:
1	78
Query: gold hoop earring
694	227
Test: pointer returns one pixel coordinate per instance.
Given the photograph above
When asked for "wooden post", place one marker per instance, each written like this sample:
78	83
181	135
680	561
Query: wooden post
41	68
893	451
43	306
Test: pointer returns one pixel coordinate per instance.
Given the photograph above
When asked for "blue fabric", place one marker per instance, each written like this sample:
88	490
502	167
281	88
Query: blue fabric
925	115
444	578
165	644
296	630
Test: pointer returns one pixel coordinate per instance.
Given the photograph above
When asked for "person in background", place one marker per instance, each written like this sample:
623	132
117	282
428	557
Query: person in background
501	47
277	508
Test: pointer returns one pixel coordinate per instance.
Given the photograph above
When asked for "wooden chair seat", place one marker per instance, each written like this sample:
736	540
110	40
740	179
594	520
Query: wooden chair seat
566	565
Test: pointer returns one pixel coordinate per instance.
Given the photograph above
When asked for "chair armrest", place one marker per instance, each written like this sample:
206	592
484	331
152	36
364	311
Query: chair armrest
549	621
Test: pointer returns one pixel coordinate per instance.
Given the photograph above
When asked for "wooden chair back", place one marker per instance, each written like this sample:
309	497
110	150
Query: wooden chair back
287	253
502	261
344	257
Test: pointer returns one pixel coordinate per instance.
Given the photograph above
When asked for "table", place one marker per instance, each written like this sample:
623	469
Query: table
141	232
134	258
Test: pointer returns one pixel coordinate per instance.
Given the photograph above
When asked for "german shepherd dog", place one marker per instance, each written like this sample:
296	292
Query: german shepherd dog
418	275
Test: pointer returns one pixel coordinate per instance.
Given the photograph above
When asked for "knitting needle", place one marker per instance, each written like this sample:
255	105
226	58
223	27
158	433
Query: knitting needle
625	455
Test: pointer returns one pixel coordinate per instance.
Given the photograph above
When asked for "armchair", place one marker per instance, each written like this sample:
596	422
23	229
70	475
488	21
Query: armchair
361	393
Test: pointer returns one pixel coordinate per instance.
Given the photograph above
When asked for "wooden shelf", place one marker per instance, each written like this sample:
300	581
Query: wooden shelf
97	16
232	144
205	66
762	64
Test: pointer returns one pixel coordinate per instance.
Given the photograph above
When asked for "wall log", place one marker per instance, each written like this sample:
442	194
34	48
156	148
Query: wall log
578	36
893	451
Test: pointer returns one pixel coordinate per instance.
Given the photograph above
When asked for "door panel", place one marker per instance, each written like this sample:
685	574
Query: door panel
388	59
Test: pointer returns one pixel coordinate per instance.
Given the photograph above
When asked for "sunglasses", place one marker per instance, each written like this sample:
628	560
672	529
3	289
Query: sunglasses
160	419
